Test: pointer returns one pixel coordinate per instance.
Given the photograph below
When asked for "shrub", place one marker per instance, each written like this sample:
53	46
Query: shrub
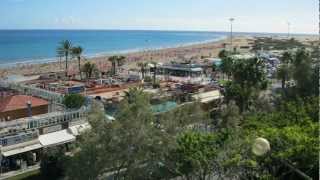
73	101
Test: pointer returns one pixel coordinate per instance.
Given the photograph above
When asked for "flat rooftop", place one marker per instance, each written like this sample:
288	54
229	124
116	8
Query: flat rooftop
183	67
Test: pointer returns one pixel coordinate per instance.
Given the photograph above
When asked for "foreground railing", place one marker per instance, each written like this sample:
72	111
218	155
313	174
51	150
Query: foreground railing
34	91
41	121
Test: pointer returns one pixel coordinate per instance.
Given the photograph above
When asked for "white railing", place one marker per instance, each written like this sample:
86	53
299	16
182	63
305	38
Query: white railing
34	91
45	120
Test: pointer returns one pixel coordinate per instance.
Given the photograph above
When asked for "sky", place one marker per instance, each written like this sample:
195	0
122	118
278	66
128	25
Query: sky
200	15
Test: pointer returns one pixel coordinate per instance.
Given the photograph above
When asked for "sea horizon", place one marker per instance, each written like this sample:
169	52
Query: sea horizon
33	46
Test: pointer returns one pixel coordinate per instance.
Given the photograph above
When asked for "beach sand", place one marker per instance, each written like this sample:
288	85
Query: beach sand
167	55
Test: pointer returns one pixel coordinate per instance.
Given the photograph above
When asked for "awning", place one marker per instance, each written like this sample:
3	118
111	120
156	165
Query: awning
77	129
56	138
207	97
21	149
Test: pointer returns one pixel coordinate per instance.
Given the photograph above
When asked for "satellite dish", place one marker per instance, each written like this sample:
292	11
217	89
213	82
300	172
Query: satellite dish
261	146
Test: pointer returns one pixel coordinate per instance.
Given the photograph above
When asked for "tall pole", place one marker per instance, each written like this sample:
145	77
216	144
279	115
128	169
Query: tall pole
231	33
288	29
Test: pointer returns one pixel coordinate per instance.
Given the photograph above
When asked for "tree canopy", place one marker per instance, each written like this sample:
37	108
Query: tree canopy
73	101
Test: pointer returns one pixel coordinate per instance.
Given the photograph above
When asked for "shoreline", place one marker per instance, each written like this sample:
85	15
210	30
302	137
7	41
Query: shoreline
166	53
162	55
108	53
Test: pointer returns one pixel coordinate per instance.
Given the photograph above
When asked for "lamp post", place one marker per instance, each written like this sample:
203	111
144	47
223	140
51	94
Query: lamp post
289	24
261	147
231	31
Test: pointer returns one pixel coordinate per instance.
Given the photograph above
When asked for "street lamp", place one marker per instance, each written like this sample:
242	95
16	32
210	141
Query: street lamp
261	147
231	31
289	24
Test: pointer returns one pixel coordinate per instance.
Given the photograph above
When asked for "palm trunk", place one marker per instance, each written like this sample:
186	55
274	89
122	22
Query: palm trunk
283	84
66	64
154	75
142	73
60	62
79	64
113	68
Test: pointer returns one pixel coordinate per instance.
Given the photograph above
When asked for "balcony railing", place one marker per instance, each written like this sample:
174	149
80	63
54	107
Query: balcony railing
34	91
41	121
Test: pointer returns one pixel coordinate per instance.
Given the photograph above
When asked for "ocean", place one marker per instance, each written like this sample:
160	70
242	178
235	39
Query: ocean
35	46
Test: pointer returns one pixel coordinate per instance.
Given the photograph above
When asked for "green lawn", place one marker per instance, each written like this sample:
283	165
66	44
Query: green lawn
32	175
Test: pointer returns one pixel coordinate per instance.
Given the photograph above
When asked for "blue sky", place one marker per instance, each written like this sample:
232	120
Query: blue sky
212	15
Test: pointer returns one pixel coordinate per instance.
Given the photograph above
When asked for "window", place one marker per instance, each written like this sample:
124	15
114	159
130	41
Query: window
4	142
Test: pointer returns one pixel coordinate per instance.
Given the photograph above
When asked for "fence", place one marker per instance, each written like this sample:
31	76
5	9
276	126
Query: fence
34	91
41	121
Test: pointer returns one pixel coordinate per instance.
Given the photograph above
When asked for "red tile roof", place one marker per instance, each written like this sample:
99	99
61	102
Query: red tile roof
15	102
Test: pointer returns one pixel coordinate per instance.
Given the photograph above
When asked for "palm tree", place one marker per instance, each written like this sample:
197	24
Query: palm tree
113	60
223	54
89	68
60	55
283	74
225	62
286	58
77	52
155	68
121	60
65	49
132	93
142	66
284	71
116	61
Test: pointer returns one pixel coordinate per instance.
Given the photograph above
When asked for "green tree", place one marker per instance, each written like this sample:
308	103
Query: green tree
283	73
116	61
89	69
77	52
226	63
113	60
248	80
184	117
194	156
126	148
303	73
52	163
73	101
91	158
132	93
143	68
226	66
223	54
121	61
65	50
230	116
155	71
292	132
286	58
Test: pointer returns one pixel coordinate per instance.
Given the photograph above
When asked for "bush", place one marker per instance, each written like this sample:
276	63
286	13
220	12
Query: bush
51	165
73	101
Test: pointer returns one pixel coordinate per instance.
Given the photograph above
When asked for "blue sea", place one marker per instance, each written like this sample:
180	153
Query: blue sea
35	46
18	46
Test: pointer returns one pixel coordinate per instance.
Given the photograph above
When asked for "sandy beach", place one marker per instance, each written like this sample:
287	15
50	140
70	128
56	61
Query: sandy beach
167	55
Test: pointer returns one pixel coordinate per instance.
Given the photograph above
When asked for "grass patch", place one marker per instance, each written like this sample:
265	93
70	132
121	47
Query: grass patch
223	82
32	175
